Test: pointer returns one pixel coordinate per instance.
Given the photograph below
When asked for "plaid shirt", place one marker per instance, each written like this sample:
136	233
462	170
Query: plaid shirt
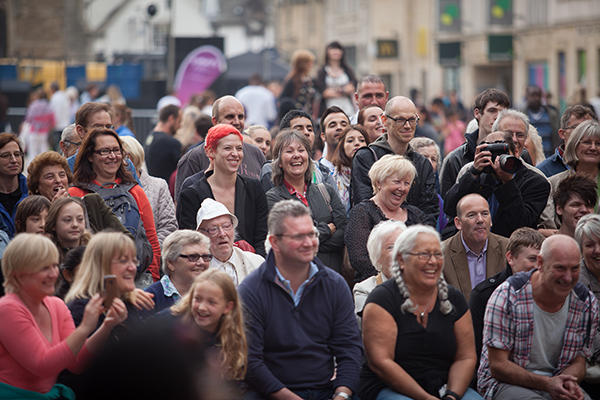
508	325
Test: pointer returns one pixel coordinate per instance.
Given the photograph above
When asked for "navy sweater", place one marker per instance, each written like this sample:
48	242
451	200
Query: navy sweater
294	347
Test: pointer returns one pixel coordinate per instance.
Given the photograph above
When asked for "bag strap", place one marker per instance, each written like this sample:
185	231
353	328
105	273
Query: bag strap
326	196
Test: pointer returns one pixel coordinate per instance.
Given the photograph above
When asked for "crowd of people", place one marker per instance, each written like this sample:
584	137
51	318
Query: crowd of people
344	244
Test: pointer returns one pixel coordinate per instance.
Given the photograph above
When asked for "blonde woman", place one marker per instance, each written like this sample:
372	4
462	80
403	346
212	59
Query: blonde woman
37	336
107	253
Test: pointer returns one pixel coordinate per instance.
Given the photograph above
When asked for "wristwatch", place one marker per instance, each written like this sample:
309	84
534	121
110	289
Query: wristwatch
342	395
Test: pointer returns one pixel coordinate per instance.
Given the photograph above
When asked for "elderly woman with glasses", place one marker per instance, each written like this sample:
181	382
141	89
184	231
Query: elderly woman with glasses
392	177
417	330
185	255
99	168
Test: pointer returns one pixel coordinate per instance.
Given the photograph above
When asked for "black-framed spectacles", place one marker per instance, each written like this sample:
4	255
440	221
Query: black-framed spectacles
105	152
412	121
195	257
299	237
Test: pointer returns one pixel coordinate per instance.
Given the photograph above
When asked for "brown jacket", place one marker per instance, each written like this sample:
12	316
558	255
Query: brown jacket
456	269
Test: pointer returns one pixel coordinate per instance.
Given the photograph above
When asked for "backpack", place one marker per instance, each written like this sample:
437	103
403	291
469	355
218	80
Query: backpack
123	205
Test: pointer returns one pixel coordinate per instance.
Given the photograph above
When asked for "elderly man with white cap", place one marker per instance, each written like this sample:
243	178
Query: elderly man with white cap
216	222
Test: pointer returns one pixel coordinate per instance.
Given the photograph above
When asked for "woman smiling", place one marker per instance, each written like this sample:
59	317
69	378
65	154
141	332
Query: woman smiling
243	197
391	177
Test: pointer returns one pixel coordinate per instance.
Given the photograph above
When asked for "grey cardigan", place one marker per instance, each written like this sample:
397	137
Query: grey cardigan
162	205
331	246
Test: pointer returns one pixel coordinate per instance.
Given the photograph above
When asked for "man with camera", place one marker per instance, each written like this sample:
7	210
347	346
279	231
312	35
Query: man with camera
516	194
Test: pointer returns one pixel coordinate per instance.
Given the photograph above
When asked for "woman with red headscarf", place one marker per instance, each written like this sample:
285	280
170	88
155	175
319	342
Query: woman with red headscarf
242	196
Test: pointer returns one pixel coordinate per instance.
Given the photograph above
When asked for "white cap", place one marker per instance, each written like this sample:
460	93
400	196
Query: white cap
210	209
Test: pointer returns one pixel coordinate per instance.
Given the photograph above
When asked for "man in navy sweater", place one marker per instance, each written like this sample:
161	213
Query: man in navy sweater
299	317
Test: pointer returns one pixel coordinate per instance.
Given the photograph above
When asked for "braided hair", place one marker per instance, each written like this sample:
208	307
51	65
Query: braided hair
403	245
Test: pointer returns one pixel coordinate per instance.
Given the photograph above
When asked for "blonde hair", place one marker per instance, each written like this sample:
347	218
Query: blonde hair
390	165
26	253
185	134
230	334
96	263
134	151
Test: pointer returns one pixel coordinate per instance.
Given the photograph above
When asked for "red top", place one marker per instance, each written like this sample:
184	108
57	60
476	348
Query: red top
27	359
147	218
294	192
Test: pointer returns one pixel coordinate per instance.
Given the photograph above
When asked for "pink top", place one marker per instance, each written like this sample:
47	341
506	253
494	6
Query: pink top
27	359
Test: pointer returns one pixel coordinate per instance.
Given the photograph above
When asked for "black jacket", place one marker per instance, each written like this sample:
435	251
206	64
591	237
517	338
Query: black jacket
422	191
454	161
478	301
250	207
521	200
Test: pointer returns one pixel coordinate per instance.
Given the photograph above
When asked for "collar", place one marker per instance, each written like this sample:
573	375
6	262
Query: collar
279	279
292	190
468	250
168	288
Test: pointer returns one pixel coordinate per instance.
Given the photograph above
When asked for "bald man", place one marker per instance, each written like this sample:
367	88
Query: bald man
225	110
400	119
538	329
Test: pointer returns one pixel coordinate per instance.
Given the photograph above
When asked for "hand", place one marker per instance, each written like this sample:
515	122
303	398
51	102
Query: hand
141	299
61	192
116	314
332	227
284	394
92	312
548	232
483	158
574	390
500	173
557	387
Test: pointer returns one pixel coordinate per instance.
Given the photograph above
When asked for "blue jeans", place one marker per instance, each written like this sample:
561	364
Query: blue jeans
389	394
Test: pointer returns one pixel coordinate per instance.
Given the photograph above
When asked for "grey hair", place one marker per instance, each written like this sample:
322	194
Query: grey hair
376	237
283	209
371	78
584	130
509	112
421	142
67	133
404	244
176	241
587	227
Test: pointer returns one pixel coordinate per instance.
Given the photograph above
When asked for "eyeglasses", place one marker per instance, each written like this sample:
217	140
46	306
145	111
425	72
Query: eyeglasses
195	257
71	143
571	127
8	154
412	121
425	256
105	152
299	237
214	230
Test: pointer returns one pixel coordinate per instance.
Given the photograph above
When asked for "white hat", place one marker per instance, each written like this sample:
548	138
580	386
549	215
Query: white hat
210	209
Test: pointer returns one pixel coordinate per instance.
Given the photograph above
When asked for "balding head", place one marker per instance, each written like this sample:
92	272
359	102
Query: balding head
558	263
229	110
400	104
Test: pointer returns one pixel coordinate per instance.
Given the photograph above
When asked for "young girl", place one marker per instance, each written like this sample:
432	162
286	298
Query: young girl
213	305
31	214
66	224
353	138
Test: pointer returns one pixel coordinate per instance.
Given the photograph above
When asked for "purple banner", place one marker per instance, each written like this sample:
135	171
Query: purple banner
198	71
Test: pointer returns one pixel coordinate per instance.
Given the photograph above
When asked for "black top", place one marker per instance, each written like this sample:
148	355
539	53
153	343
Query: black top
9	200
426	354
363	218
162	155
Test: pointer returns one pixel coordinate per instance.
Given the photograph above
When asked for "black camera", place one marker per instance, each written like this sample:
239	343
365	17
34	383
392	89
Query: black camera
508	162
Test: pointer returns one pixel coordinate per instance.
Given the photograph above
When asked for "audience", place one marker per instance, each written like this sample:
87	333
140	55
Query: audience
334	197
